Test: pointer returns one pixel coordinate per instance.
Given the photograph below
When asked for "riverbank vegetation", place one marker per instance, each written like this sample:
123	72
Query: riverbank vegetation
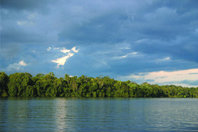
25	85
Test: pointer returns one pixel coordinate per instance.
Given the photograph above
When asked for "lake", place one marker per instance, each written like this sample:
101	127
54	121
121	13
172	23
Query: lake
99	115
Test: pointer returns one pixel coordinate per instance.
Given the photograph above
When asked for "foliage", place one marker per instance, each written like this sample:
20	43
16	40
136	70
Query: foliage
24	85
3	84
20	84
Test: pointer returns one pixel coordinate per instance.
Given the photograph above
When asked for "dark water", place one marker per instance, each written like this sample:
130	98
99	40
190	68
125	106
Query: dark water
98	115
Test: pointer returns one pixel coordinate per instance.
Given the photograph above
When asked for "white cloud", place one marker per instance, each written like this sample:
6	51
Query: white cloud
62	60
141	41
53	48
133	53
16	66
164	59
49	48
28	21
64	50
75	50
20	23
196	30
125	48
122	57
126	55
184	84
165	77
22	63
33	51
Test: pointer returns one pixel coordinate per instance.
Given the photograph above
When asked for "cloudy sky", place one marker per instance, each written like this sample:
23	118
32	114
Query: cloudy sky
138	40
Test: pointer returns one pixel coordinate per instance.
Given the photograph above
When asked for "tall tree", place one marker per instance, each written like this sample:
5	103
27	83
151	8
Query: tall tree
3	84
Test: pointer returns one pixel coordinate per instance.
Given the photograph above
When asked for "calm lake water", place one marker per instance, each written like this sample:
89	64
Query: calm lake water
99	115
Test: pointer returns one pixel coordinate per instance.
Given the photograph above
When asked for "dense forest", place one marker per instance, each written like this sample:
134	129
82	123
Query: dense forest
25	85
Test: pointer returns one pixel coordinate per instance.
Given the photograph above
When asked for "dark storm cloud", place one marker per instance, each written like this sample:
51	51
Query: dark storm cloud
181	6
159	22
23	4
169	28
181	48
162	32
102	29
17	35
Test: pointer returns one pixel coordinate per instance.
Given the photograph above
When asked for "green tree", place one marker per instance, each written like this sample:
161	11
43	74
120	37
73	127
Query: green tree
3	84
19	83
24	85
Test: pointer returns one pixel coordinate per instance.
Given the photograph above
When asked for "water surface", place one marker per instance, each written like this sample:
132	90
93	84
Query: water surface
99	115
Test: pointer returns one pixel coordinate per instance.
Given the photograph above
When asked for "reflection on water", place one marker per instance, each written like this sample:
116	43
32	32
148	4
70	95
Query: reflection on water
60	114
106	115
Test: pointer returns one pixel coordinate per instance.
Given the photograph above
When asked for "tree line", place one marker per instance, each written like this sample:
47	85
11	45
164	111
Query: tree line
48	85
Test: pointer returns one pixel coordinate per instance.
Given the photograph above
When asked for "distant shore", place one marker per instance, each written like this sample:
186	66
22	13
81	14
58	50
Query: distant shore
25	85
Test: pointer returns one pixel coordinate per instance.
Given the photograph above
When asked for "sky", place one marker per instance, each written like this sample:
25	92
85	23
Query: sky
154	41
